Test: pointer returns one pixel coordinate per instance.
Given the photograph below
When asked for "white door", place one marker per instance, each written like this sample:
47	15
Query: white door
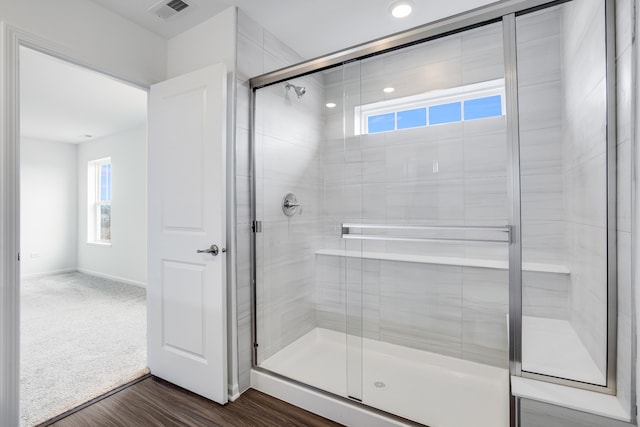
186	295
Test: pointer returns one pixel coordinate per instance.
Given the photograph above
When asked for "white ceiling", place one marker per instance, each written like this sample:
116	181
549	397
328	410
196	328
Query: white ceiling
311	27
62	102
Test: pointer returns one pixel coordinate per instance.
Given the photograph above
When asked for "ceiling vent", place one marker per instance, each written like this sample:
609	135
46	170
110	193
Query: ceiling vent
168	9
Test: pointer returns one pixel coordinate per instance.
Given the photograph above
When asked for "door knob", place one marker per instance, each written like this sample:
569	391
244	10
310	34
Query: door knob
213	250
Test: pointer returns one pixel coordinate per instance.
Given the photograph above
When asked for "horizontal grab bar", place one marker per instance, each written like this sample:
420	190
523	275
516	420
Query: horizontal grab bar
503	228
348	234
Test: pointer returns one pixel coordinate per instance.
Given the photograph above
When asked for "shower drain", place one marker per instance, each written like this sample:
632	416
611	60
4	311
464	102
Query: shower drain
380	385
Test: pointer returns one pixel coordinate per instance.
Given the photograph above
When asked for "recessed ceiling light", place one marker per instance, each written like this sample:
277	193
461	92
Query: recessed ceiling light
401	9
331	105
388	89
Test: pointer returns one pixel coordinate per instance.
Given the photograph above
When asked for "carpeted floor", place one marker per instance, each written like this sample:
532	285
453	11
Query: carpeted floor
81	336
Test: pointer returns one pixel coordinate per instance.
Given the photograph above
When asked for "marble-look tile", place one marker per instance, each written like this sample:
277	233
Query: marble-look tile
542	197
585	126
484	307
540	60
482	54
243	201
485	339
485	155
541	151
543	23
586	193
588	293
588	260
485	199
343	202
242	152
425	161
544	241
584	47
545	295
278	49
250	29
249	58
425	200
540	106
421	306
433	52
286	322
243	107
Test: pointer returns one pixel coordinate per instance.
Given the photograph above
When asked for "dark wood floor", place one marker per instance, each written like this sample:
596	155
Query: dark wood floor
154	402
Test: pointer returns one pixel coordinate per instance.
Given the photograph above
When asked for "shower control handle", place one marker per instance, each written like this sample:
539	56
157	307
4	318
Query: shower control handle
290	204
213	250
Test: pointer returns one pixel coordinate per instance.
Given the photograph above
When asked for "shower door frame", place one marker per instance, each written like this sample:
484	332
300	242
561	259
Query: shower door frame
506	13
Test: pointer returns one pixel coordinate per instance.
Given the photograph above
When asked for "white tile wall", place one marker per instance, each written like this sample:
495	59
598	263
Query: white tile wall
391	178
260	52
584	99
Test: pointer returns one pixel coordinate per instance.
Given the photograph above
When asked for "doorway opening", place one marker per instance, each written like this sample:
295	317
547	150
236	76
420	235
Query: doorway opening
83	240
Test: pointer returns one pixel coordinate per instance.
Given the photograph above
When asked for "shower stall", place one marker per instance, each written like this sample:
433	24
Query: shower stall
435	212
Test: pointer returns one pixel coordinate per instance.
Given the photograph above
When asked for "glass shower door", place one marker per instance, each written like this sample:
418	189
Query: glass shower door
424	229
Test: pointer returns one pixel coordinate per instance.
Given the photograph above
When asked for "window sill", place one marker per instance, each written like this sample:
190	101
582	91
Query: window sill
104	244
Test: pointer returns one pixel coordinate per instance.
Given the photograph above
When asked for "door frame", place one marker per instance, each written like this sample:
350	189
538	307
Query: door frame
11	39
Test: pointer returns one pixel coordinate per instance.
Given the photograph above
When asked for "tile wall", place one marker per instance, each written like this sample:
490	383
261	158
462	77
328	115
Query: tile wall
258	52
539	48
584	171
390	178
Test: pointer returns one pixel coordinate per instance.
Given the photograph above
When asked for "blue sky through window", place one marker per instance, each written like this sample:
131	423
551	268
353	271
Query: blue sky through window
412	118
445	113
105	182
381	123
480	108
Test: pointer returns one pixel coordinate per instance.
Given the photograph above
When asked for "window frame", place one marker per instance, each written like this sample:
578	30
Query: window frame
94	202
489	88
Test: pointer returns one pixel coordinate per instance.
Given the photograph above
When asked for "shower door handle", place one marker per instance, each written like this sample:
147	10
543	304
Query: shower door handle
213	250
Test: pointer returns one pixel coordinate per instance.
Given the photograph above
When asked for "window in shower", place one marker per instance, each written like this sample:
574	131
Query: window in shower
437	107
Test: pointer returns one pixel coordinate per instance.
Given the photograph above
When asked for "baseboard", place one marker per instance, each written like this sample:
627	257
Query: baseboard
47	273
233	392
110	277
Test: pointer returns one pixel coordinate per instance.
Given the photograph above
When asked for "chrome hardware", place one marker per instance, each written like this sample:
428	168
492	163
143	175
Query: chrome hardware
290	204
377	232
213	250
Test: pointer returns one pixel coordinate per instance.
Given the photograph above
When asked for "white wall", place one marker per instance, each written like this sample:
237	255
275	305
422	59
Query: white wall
48	200
126	258
85	32
92	34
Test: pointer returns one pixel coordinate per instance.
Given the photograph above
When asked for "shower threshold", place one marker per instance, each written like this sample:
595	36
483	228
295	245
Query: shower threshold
418	385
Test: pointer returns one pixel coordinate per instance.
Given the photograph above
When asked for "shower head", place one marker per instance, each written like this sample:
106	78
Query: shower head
300	90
